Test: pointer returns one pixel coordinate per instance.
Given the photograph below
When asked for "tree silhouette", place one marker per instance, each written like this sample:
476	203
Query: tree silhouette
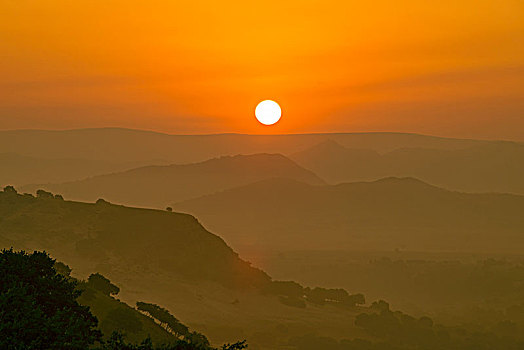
10	189
99	282
38	306
164	317
43	194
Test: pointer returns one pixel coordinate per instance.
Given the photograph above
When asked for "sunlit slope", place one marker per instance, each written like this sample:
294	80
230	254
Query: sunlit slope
90	236
392	213
488	167
159	186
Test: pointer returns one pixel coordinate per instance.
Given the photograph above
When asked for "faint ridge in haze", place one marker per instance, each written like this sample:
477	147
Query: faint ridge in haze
138	145
21	170
486	167
387	214
159	186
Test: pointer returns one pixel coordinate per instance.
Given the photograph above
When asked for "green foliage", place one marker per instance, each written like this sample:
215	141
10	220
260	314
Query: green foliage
122	319
380	306
322	295
10	189
293	294
356	299
285	288
114	315
164	317
101	201
38	306
197	339
43	194
236	346
62	268
39	310
402	331
99	282
293	301
171	323
117	342
190	340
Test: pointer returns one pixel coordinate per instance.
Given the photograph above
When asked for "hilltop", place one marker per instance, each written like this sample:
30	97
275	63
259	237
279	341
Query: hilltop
90	235
159	186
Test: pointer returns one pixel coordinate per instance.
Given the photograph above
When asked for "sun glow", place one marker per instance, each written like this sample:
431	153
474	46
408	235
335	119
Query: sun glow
268	112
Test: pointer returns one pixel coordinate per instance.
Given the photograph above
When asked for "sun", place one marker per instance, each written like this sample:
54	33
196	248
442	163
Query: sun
268	112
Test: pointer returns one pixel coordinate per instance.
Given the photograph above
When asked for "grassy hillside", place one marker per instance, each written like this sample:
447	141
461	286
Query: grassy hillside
87	235
159	186
389	214
489	167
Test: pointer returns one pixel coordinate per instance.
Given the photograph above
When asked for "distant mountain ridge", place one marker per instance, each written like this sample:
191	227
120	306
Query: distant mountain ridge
488	167
21	170
120	144
159	186
388	214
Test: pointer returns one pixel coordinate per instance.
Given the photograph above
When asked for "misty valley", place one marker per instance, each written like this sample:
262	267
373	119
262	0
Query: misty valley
364	241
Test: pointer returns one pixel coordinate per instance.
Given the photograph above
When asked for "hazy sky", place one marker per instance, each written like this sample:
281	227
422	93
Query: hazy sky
450	68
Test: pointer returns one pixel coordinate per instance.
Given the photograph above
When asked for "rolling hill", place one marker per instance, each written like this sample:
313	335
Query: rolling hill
159	186
489	167
88	235
388	214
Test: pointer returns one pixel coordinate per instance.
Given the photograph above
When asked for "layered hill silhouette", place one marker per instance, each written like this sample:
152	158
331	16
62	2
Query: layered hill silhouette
21	170
388	214
159	186
123	145
488	167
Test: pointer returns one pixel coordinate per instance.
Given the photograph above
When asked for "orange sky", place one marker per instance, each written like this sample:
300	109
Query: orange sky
450	68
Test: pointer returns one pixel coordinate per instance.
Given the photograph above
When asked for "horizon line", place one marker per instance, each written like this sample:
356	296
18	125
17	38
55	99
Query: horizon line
248	134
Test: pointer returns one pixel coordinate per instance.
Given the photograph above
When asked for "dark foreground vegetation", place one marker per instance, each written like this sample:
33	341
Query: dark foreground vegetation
42	307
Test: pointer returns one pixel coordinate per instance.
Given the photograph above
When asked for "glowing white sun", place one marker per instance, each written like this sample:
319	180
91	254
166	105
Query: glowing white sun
268	112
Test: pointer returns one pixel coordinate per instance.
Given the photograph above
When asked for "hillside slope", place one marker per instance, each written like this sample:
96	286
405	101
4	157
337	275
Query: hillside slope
388	214
88	235
159	186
